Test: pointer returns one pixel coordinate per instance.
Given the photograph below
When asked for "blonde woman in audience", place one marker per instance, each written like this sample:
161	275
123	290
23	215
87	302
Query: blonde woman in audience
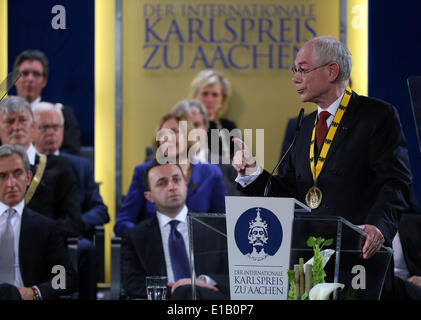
213	89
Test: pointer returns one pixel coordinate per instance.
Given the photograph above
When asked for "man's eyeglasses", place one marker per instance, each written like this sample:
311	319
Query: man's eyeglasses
35	74
46	127
302	71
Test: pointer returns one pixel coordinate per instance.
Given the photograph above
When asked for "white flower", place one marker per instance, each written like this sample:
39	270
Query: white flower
326	254
322	291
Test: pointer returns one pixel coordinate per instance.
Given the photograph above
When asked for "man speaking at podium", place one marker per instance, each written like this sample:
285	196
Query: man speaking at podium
350	158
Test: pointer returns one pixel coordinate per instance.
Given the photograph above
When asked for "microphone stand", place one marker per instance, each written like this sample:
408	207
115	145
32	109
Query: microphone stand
297	130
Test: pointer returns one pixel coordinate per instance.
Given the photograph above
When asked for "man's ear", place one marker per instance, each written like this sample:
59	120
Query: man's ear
44	82
333	71
29	178
148	196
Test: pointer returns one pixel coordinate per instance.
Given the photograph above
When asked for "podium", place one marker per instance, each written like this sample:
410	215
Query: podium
363	279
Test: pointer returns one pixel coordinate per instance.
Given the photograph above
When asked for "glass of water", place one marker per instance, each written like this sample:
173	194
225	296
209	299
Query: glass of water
156	287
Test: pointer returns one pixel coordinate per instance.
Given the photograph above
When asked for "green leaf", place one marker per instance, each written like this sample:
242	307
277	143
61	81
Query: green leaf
311	241
291	275
320	240
291	291
328	242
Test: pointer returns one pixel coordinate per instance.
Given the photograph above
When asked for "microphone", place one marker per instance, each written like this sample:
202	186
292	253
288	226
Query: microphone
297	130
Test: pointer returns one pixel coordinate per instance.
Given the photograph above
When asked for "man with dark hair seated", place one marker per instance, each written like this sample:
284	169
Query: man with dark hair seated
159	246
34	262
34	67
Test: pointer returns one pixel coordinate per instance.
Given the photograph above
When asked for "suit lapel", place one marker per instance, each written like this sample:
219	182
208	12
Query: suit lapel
303	145
153	251
345	127
34	167
26	244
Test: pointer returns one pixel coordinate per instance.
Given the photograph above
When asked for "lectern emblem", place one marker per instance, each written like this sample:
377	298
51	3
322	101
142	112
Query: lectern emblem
258	233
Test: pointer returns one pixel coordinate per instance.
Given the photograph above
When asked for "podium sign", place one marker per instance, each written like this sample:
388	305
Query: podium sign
259	243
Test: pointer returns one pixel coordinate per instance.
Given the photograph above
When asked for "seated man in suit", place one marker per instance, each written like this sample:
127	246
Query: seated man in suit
30	244
49	122
53	190
47	140
159	246
34	66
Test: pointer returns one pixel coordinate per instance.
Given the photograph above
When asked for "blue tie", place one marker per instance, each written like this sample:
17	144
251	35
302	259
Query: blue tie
178	253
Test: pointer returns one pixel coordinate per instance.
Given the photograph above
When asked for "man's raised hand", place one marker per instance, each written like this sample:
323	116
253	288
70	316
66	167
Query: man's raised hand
243	160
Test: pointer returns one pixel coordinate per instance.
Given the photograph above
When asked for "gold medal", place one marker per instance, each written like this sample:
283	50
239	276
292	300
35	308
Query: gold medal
314	197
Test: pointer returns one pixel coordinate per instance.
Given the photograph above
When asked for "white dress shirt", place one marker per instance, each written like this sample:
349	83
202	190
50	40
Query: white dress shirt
31	152
37	100
401	270
244	181
165	227
15	221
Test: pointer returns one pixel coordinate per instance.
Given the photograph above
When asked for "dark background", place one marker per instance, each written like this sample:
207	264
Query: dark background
394	54
70	53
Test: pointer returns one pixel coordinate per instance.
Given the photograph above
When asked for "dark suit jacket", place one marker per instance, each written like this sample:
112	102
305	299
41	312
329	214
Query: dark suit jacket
142	255
57	196
41	247
71	134
366	175
94	211
410	235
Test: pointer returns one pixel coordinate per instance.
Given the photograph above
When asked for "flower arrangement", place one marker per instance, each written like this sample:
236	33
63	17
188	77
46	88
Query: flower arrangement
307	281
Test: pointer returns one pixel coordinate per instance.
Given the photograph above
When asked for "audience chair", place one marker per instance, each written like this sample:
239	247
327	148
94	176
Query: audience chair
115	268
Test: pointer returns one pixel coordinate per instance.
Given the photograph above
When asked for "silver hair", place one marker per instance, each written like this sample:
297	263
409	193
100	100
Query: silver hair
328	49
15	104
188	106
209	77
8	150
47	106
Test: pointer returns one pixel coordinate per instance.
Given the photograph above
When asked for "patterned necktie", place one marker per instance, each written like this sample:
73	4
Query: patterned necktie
7	250
178	253
321	128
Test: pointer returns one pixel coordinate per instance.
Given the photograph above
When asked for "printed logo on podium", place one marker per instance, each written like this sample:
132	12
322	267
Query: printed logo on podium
258	233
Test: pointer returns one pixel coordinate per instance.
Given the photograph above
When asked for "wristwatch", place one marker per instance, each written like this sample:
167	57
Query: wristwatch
36	294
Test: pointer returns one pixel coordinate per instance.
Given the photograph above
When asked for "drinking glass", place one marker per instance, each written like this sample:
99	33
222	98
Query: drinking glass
156	287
